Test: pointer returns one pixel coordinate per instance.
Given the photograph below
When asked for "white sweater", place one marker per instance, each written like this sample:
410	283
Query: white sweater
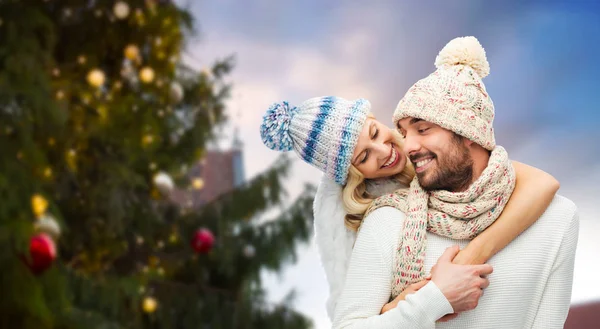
529	288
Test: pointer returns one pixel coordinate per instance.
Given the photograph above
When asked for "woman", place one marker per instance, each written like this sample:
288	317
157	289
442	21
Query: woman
342	139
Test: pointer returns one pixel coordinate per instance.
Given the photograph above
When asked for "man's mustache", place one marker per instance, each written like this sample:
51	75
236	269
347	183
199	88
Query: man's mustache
416	157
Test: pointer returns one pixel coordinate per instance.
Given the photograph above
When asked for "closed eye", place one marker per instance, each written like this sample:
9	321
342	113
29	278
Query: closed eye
365	158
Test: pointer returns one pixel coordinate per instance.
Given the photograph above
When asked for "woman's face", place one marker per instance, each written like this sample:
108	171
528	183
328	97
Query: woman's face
377	153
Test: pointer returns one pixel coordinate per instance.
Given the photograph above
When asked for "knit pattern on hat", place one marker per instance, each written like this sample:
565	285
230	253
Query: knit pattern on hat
457	215
454	96
323	131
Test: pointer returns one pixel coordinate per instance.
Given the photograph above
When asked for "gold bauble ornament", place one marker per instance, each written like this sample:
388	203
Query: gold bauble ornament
147	74
132	52
38	204
96	78
198	183
149	305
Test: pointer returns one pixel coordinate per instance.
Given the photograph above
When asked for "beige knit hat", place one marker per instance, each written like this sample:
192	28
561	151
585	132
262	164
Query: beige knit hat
454	96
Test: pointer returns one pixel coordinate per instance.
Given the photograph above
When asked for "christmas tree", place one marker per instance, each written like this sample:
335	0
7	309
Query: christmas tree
99	119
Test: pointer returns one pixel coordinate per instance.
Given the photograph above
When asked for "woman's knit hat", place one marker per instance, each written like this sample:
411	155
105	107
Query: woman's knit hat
323	131
454	97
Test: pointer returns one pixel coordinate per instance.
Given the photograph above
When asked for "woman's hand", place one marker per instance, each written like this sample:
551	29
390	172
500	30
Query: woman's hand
473	254
409	290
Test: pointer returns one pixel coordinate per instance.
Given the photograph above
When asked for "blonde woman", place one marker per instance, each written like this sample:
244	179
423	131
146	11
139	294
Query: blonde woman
363	159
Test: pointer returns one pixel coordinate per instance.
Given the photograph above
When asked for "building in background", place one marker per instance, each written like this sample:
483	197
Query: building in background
218	172
584	316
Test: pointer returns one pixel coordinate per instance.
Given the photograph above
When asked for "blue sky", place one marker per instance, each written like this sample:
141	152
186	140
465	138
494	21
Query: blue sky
544	81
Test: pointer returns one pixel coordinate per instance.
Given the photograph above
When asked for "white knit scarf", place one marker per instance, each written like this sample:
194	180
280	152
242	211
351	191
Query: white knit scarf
457	215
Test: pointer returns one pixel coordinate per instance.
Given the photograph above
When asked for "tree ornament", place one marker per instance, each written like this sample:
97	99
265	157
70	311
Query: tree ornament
203	241
38	205
249	251
42	252
47	224
176	92
96	78
198	183
67	12
121	10
60	94
132	52
147	139
164	183
149	304
147	74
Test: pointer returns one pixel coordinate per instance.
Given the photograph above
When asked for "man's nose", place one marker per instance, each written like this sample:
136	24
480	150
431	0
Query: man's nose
411	144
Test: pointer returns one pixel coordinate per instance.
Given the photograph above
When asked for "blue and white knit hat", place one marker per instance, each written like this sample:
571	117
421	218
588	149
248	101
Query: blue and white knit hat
322	130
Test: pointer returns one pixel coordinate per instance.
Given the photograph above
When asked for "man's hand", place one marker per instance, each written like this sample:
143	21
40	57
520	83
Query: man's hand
409	290
461	284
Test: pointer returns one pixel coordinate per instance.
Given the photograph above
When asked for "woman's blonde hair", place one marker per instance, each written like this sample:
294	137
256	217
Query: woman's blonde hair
355	197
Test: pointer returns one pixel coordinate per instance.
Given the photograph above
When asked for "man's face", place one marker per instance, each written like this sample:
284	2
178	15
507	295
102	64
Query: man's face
441	158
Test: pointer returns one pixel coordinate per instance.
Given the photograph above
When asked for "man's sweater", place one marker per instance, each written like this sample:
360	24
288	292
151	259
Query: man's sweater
529	288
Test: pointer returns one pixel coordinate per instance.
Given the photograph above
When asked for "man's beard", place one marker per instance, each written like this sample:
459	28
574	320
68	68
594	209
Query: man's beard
453	172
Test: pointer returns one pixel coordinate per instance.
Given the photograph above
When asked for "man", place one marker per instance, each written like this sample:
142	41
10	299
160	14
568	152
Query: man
446	120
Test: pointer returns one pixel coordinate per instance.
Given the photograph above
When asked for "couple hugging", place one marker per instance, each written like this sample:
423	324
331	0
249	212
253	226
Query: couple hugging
429	224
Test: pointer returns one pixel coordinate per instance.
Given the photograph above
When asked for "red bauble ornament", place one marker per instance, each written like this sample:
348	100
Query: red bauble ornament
42	253
203	241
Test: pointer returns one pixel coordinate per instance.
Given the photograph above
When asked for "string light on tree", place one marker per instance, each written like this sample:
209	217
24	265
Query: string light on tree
121	10
60	94
197	183
96	78
147	139
81	59
147	74
149	304
176	92
249	251
132	52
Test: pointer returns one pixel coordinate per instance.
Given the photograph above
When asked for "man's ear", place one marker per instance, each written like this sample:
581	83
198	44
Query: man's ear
467	142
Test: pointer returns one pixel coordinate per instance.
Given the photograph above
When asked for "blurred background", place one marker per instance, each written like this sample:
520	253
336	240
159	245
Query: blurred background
136	191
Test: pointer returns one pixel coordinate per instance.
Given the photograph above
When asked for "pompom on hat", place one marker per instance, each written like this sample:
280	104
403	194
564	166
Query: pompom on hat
322	130
454	96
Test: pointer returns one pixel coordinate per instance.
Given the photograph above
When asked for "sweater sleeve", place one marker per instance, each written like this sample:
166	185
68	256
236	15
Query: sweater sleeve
368	284
556	298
